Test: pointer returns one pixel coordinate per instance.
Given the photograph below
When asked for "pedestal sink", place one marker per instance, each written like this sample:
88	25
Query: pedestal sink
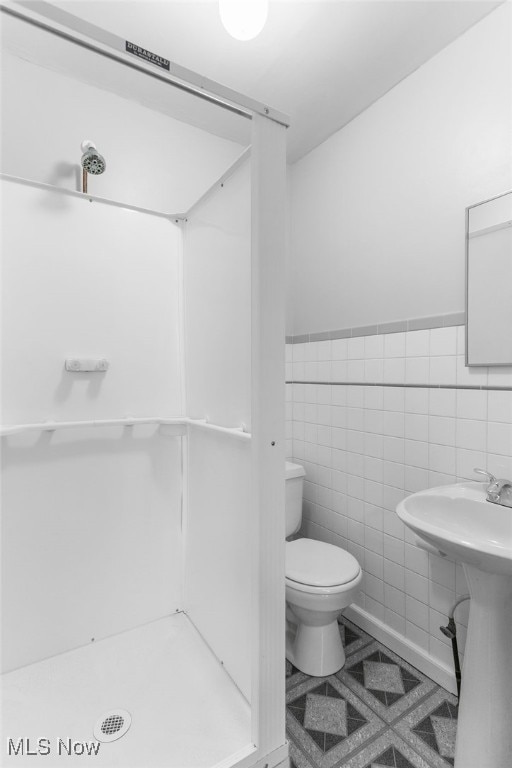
459	522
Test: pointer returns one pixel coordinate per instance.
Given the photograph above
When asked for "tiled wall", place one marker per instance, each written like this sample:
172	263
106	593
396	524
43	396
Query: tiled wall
373	418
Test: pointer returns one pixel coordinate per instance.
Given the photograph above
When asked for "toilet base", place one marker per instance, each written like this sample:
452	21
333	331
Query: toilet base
317	651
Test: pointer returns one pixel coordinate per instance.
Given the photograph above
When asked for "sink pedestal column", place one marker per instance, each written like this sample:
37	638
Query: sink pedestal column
484	732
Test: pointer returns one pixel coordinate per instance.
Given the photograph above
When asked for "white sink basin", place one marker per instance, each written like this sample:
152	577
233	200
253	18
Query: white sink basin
459	521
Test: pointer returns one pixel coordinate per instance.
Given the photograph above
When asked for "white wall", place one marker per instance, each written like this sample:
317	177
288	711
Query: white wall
218	561
218	550
217	273
91	538
377	211
91	518
84	279
152	160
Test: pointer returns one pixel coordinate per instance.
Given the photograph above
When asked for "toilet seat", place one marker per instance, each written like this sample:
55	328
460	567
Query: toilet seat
334	590
319	566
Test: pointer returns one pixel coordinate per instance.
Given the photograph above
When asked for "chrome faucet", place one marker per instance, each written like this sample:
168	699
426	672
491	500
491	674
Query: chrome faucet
498	491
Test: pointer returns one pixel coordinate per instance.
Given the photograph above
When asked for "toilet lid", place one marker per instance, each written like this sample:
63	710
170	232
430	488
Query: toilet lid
319	564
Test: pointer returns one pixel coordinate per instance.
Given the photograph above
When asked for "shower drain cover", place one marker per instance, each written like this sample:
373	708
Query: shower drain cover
112	725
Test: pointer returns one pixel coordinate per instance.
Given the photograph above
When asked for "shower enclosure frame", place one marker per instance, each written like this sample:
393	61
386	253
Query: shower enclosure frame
268	191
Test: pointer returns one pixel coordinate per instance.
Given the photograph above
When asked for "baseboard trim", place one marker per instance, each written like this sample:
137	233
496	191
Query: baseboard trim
412	653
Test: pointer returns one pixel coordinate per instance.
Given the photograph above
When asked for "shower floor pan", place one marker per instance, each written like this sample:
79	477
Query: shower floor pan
185	710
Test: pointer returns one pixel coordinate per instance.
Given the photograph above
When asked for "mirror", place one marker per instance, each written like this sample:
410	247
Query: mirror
489	282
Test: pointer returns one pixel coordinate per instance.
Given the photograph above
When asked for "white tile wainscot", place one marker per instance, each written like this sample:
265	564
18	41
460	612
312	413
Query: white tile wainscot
369	441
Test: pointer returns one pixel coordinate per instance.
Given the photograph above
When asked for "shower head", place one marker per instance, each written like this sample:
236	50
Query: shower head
92	161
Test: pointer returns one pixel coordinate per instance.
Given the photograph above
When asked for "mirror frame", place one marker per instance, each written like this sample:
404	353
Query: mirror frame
468	209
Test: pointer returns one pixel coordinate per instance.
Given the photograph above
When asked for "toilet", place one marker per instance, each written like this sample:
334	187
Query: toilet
321	580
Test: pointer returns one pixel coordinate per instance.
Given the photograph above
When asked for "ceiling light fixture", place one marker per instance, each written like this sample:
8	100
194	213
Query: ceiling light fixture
243	19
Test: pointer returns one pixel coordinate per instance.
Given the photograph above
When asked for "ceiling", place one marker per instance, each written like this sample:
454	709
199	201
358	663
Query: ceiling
320	62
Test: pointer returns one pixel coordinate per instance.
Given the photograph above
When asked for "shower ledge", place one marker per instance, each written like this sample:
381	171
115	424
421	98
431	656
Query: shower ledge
162	421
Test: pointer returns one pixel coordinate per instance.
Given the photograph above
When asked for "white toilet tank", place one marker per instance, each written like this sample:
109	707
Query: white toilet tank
294	474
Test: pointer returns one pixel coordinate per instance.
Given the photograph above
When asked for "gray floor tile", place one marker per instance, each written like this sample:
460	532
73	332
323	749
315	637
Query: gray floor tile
431	727
328	722
384	681
377	711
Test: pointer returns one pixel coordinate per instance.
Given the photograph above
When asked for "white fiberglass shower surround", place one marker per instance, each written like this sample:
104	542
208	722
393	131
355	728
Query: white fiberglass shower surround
142	503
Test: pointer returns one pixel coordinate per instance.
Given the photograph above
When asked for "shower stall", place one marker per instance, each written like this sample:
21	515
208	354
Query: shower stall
142	407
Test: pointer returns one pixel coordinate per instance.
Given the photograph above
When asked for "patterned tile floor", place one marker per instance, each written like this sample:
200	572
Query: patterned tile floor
377	711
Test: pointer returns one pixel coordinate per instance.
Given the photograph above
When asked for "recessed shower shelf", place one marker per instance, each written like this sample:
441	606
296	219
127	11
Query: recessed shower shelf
183	421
